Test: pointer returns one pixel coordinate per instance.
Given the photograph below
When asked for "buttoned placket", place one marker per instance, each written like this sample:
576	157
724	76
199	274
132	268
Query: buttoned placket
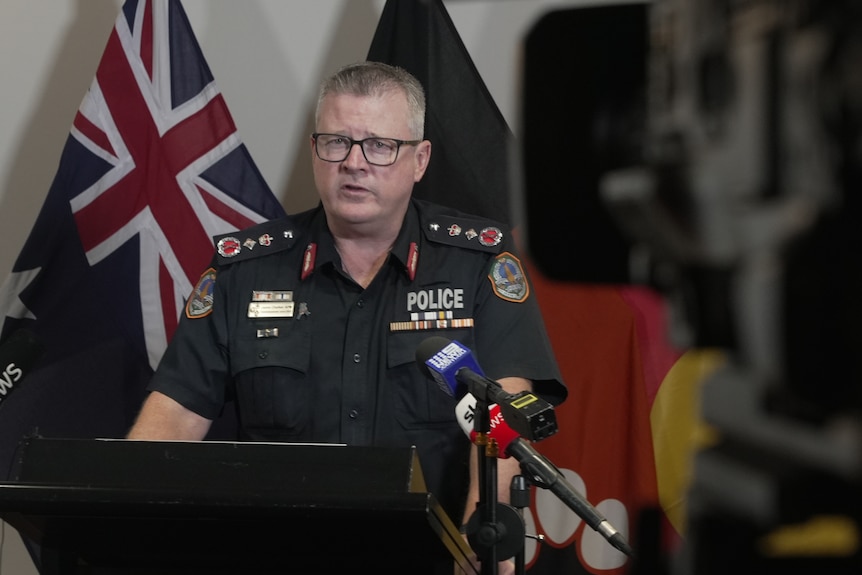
357	389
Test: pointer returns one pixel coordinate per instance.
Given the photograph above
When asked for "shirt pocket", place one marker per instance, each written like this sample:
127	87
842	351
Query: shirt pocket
271	381
419	401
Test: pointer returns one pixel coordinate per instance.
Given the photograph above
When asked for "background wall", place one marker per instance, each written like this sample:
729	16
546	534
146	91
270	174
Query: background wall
267	57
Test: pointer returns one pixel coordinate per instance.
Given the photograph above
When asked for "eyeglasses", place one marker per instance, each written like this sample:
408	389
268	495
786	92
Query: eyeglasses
377	151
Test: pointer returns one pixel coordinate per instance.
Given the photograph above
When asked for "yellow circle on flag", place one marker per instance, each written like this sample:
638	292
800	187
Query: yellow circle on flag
677	429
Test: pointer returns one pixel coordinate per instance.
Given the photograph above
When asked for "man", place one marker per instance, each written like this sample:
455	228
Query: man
310	324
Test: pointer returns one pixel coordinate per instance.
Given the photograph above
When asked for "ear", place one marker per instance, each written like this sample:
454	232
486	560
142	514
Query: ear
422	157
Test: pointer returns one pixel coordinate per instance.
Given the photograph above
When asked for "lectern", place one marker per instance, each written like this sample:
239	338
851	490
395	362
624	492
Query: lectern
99	507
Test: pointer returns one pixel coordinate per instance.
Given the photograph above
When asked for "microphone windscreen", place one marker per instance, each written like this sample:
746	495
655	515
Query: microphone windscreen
499	431
444	359
426	351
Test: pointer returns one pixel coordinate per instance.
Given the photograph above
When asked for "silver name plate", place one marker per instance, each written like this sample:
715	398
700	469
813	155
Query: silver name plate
270	309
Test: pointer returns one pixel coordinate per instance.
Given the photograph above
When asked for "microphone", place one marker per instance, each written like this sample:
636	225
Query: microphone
542	472
456	372
440	359
501	433
19	354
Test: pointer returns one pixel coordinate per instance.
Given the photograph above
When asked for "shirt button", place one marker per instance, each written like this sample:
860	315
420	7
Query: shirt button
356	358
360	303
262	355
353	414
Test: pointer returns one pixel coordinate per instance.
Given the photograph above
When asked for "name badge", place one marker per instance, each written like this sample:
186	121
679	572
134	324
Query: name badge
270	309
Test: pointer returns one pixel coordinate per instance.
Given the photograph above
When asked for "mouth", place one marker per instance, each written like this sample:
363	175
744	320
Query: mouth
354	189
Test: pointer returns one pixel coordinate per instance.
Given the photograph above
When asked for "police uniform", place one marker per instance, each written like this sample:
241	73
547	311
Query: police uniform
308	355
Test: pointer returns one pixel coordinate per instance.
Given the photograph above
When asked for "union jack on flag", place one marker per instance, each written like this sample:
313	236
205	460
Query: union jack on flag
152	169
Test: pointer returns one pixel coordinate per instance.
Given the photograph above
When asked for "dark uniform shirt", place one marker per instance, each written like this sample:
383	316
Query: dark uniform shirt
308	355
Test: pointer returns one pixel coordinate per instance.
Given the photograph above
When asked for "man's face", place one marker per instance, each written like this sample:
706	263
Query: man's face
354	192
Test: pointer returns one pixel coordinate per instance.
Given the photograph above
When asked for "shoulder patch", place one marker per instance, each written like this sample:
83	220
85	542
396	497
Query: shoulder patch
483	235
265	238
508	278
200	303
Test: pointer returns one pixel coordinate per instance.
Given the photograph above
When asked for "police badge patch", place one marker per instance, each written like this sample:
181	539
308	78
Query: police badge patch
200	303
507	277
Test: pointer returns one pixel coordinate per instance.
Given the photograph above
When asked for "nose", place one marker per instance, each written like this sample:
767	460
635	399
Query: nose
355	157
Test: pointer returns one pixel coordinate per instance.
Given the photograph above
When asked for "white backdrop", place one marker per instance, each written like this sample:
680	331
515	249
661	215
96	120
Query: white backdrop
267	57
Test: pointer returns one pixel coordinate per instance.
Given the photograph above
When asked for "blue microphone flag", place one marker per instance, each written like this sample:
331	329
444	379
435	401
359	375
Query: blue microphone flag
445	363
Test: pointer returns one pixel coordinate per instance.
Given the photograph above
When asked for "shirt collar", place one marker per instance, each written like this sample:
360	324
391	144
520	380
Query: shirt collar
404	250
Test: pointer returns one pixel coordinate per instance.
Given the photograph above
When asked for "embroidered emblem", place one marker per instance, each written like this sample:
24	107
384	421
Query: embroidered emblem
249	243
228	247
308	260
508	279
265	240
454	230
412	260
470	234
200	303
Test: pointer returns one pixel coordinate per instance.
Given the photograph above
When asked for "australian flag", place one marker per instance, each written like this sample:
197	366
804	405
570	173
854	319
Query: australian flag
152	169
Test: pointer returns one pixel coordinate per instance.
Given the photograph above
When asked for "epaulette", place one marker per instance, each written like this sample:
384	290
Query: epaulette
262	239
475	234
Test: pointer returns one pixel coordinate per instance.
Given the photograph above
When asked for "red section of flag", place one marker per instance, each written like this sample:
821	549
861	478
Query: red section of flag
604	427
649	312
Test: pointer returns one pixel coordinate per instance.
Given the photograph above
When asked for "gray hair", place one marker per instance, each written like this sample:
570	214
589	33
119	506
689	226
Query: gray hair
375	79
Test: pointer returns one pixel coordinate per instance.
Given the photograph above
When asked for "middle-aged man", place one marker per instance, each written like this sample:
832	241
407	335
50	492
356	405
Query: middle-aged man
309	325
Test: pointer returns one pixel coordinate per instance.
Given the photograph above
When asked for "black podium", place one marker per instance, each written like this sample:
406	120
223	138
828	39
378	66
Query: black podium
100	507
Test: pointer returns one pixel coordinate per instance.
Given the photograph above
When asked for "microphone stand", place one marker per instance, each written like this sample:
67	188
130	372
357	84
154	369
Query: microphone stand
486	534
495	529
519	497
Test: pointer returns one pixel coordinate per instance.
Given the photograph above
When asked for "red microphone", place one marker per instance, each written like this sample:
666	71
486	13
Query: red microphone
500	432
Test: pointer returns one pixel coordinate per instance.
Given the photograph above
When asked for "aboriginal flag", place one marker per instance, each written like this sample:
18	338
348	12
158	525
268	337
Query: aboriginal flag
469	137
626	428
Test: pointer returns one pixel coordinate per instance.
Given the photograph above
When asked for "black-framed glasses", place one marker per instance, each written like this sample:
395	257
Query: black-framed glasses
377	151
